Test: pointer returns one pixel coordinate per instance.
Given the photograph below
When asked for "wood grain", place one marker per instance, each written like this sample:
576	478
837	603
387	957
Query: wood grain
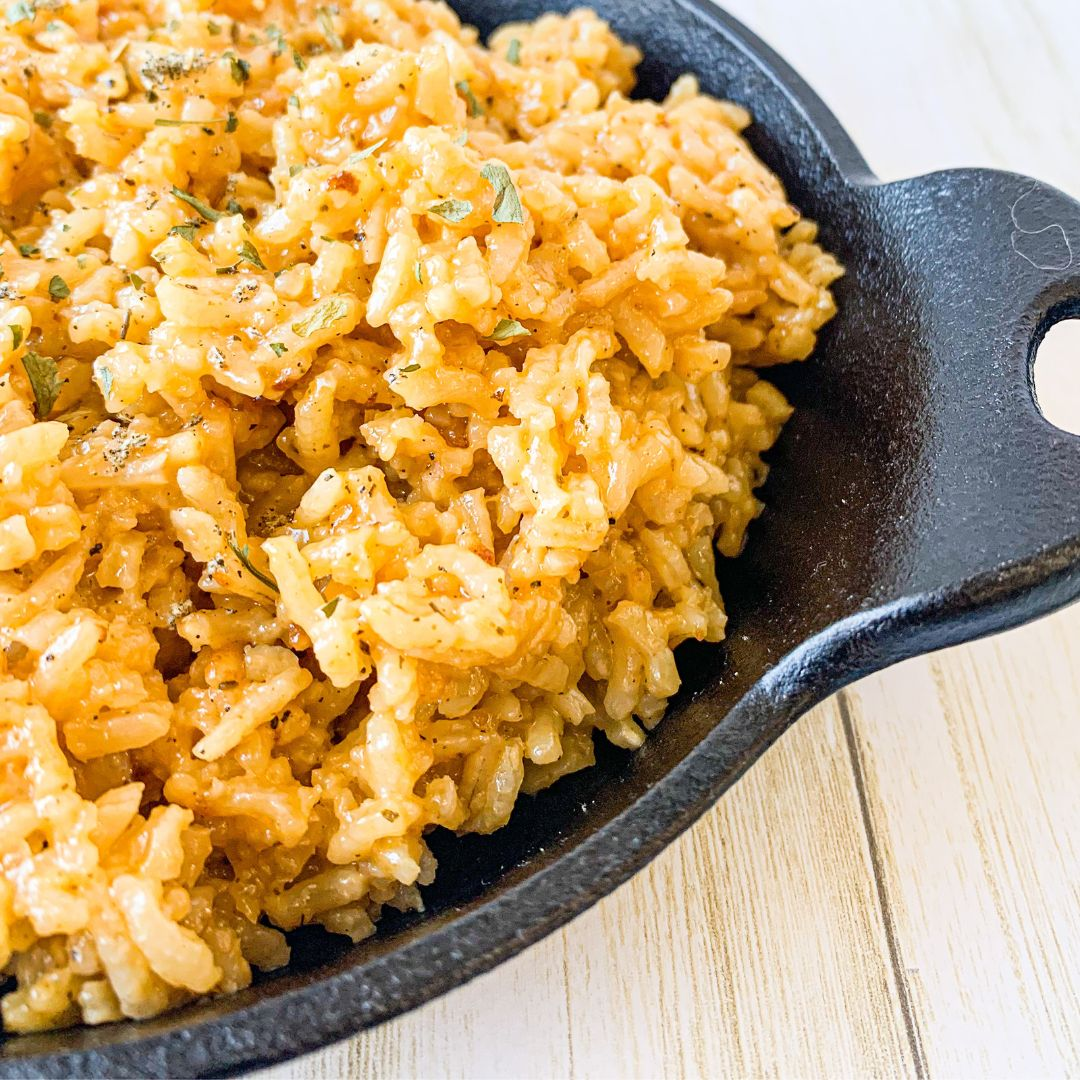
894	890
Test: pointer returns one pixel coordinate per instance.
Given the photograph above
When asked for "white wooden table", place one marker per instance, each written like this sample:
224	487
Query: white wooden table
894	889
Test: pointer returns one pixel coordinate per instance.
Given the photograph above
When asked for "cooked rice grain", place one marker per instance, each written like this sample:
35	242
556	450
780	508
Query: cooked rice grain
371	402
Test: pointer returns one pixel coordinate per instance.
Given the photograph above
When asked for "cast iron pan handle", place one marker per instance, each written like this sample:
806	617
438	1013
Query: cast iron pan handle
982	263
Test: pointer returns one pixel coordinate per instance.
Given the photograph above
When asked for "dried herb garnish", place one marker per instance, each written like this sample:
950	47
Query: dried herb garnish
507	203
58	288
465	90
328	312
326	21
244	555
508	328
513	51
207	213
44	381
452	209
240	70
187	231
16	335
250	253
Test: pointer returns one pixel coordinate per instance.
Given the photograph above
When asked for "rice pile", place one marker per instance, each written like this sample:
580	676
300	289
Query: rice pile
370	403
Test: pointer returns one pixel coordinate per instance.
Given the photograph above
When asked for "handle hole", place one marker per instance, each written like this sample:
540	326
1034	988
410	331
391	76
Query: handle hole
1056	375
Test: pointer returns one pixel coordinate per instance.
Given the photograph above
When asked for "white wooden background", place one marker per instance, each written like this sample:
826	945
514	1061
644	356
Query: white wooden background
894	890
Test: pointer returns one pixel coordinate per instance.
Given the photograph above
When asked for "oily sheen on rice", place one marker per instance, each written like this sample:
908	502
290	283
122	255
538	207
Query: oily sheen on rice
371	401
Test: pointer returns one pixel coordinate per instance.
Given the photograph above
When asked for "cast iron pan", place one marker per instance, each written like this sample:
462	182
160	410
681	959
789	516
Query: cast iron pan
917	499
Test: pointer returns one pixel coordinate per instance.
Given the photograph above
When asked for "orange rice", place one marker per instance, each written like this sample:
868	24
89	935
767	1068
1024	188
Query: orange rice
371	401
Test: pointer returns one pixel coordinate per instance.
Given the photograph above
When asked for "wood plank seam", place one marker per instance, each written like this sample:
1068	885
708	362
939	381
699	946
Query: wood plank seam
903	991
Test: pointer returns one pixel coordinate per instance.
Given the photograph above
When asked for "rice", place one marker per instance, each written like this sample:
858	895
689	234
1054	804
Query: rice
372	403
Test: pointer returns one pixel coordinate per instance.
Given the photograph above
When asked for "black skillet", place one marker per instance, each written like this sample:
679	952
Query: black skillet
917	499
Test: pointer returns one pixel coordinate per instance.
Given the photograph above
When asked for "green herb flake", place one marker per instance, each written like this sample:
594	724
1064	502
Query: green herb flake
294	101
277	348
366	152
505	329
104	380
249	253
240	70
298	61
507	203
330	606
409	369
207	213
452	209
277	38
187	231
295	170
326	314
43	119
20	12
244	555
136	280
418	272
44	381
126	325
513	51
213	27
26	250
58	288
16	335
465	91
231	123
234	207
326	21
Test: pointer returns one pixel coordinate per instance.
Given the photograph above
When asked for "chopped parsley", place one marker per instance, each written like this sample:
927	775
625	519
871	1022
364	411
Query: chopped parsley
508	328
330	606
452	209
465	91
507	203
328	312
513	51
44	381
231	123
326	21
43	119
239	69
105	380
277	348
249	253
244	555
207	213
187	231
26	250
16	335
58	288
19	12
366	152
277	38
